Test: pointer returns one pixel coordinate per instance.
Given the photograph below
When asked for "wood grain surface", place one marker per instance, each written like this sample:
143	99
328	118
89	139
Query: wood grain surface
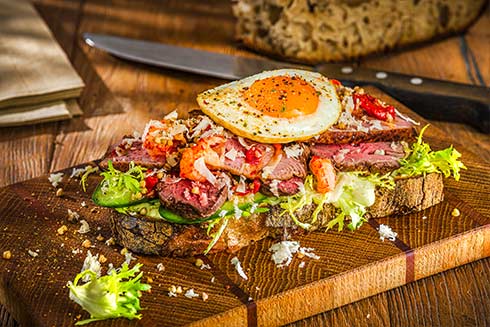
121	96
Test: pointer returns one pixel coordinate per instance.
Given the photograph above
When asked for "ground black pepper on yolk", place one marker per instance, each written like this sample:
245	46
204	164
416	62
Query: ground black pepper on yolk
282	96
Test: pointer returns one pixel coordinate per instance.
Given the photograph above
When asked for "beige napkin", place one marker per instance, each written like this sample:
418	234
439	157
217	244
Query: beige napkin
35	74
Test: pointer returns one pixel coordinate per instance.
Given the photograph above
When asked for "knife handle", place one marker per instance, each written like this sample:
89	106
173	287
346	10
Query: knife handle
433	99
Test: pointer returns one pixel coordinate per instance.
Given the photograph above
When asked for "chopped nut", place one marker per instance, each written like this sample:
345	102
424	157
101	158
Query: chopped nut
300	255
102	258
204	296
143	211
149	280
199	262
62	229
73	216
124	251
100	238
195	190
160	175
59	192
143	183
172	289
7	255
179	290
86	243
455	212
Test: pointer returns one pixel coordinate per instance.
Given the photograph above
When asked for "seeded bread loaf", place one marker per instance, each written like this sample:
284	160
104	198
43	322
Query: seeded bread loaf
331	30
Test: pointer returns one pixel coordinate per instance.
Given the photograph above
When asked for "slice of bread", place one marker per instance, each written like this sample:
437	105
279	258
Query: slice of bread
320	30
149	236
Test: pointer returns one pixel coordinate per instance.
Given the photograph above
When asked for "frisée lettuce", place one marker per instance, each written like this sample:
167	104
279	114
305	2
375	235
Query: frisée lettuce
111	296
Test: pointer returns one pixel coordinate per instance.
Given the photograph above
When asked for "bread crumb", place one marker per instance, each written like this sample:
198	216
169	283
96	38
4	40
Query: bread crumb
100	238
32	253
199	263
301	264
191	294
172	289
83	204
368	316
424	217
160	267
7	255
86	243
179	290
62	229
59	192
149	280
204	296
212	279
455	212
124	251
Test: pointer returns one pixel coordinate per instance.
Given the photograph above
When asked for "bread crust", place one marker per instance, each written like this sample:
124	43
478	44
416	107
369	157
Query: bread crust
158	237
322	31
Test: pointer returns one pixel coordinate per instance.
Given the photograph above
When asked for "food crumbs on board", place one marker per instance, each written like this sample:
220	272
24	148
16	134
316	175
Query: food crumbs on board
199	263
83	204
204	296
424	217
124	251
179	290
160	267
7	255
385	231
55	179
149	280
238	266
84	228
59	192
455	212
73	216
212	279
368	316
301	264
62	229
102	258
32	253
110	241
100	238
191	294
86	243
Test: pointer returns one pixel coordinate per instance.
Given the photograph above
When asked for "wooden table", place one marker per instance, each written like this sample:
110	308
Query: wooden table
121	97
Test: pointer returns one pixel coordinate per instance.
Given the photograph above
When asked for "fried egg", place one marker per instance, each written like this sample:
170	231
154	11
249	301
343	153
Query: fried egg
278	106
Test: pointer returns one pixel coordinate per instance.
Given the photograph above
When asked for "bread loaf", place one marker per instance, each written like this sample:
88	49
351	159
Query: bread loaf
331	30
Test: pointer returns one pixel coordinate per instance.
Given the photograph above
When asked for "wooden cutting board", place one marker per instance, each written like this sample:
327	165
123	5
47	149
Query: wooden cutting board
352	265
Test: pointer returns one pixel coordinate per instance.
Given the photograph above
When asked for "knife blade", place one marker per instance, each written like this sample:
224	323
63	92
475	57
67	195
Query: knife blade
433	99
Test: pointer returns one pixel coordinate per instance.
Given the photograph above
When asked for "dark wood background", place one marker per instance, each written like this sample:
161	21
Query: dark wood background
121	97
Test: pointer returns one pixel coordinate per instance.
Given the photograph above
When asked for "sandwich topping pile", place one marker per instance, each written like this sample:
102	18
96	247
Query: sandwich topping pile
281	150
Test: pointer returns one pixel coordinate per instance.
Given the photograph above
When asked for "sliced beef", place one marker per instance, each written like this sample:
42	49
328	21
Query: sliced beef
375	157
129	150
289	165
247	161
191	199
398	130
279	188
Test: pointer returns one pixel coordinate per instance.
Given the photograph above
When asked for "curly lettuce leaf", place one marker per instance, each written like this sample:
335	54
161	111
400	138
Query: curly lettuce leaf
118	180
111	296
421	160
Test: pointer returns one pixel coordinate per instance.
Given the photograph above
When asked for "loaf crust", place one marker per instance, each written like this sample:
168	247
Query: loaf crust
148	236
321	30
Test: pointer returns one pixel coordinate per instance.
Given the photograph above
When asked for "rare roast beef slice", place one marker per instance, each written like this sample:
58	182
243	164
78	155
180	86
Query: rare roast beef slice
245	158
130	150
191	199
398	130
286	187
375	157
291	164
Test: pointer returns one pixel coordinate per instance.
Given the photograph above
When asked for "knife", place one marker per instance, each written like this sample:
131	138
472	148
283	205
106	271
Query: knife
433	99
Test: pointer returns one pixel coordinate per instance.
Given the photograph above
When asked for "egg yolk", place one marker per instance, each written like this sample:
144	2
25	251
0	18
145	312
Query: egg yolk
282	96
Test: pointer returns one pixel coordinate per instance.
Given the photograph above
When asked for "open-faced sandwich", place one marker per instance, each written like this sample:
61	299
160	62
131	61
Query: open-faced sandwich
284	150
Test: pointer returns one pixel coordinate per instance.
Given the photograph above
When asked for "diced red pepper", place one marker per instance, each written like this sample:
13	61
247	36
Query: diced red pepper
253	156
150	182
374	107
256	186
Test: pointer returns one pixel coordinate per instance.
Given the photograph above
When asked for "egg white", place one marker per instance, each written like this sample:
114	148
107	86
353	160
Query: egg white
227	107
